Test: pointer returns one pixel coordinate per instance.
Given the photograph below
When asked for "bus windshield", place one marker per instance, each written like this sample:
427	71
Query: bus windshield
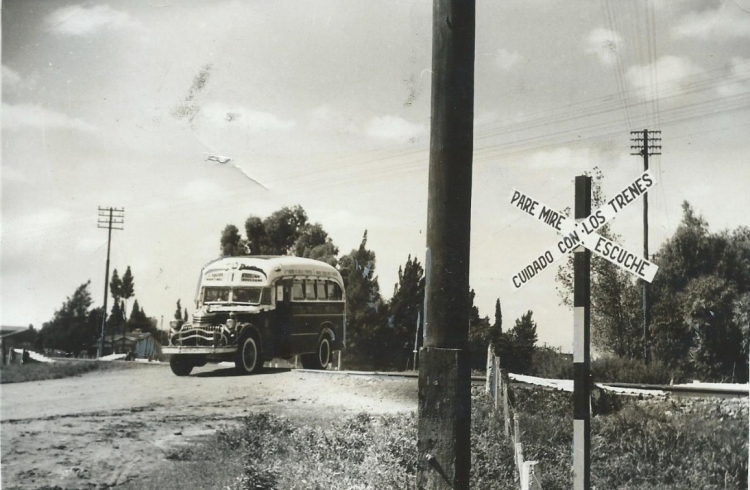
216	295
239	295
246	295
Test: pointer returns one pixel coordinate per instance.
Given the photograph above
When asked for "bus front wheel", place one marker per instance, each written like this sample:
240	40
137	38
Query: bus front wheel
322	358
248	359
181	365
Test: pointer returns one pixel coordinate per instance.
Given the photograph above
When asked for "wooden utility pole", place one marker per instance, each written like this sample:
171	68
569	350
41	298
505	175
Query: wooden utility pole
111	219
581	346
646	147
444	371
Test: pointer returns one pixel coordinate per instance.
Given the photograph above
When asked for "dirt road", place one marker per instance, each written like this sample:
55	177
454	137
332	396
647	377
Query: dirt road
108	428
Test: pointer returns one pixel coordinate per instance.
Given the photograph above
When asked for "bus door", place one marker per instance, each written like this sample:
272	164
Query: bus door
283	330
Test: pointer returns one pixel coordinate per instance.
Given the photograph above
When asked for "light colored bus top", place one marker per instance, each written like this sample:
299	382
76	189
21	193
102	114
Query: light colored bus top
263	270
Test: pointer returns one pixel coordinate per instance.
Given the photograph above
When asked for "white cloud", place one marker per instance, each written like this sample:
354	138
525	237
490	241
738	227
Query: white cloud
485	118
37	222
90	243
21	116
739	83
327	119
245	119
198	190
605	44
78	20
564	158
394	128
721	22
11	78
507	59
668	73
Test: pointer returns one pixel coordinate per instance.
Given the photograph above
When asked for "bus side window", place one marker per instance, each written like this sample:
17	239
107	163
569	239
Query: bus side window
321	287
334	291
279	293
298	291
310	290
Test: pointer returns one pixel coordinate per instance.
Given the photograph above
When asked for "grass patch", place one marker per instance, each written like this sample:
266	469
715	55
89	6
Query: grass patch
20	373
665	445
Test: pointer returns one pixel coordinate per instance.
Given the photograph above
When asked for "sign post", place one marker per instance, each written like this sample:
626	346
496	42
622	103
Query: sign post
580	237
581	343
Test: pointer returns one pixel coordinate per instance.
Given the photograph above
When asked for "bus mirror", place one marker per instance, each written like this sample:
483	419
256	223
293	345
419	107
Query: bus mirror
279	293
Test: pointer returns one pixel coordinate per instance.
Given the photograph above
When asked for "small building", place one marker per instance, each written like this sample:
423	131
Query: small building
16	338
141	344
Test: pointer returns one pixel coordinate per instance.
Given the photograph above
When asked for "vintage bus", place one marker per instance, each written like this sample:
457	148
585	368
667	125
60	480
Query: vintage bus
252	309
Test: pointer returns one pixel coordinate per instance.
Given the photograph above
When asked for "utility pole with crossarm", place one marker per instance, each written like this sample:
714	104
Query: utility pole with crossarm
111	219
643	142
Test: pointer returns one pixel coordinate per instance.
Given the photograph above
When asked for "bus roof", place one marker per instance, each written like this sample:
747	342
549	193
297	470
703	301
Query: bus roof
273	267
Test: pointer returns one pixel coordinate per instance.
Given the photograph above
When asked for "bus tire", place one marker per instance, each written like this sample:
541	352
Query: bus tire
321	359
248	359
181	365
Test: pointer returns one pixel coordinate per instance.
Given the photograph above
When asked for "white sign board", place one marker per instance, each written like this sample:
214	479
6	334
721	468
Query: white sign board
583	232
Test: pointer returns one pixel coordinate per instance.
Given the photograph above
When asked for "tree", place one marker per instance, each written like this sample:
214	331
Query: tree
313	242
73	328
231	241
257	238
116	317
707	303
126	292
404	310
367	340
500	339
117	314
178	311
140	321
523	339
696	297
283	228
616	319
284	232
480	335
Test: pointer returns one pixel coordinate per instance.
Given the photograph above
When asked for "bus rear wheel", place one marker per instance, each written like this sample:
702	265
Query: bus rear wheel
322	358
248	359
181	365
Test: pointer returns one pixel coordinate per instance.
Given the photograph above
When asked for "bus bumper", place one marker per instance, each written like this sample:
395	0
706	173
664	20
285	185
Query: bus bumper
171	350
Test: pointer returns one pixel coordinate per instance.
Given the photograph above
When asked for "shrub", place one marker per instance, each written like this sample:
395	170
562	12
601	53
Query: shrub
644	445
622	370
19	373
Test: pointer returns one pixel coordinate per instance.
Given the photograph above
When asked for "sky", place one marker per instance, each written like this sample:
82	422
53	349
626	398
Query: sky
326	104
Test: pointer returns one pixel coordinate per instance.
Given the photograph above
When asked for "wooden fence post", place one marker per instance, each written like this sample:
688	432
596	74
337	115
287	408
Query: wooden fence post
531	476
497	387
489	382
506	410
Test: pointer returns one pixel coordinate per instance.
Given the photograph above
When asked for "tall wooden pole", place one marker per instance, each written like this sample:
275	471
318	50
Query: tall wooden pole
106	286
581	343
111	219
444	375
645	142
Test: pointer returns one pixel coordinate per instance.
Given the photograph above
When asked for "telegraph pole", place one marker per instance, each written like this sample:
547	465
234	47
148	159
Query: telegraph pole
111	219
643	141
444	411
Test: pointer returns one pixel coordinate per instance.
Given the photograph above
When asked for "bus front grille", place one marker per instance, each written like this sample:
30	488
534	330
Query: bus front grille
203	336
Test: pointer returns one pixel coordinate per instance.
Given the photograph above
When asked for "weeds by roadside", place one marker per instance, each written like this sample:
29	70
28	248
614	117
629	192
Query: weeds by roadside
16	373
644	445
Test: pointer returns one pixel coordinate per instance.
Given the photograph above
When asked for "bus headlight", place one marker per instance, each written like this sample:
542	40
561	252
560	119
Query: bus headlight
231	323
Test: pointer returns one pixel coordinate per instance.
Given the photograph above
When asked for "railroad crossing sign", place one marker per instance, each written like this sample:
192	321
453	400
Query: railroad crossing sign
583	233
